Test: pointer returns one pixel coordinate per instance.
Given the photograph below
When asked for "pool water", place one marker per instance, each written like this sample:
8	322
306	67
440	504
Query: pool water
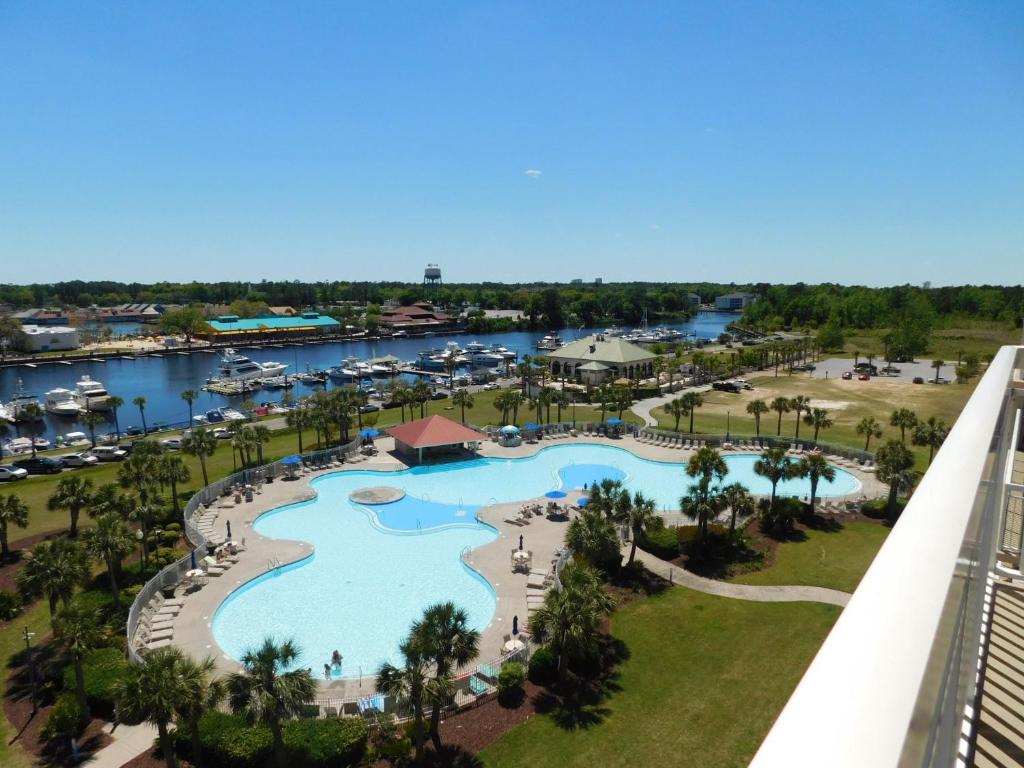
377	567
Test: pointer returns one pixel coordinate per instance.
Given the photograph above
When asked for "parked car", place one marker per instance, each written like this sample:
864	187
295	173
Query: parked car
890	369
918	380
172	443
866	368
439	395
83	459
40	465
847	375
864	377
727	386
490	385
369	408
132	431
222	433
108	453
11	472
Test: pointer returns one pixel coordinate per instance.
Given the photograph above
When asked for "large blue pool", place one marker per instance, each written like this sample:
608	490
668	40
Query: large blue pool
376	568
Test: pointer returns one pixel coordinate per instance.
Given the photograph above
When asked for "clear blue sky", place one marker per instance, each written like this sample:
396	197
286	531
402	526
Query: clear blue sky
871	142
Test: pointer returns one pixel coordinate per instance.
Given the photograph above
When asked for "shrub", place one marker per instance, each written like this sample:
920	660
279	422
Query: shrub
543	666
169	538
510	683
63	720
335	741
128	594
388	740
10	605
228	741
410	730
163	557
103	668
660	542
96	601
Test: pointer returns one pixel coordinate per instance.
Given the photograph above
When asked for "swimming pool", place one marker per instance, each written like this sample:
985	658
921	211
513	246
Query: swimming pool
377	567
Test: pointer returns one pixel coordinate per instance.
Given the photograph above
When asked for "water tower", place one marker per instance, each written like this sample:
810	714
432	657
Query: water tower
431	278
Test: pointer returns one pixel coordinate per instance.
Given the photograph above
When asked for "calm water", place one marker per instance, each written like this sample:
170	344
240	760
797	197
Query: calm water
161	380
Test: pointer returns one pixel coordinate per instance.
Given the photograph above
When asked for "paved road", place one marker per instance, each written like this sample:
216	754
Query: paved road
835	367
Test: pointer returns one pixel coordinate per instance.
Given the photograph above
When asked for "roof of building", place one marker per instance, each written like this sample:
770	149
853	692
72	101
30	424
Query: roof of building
738	295
434	431
47	330
603	349
593	365
235	324
283	311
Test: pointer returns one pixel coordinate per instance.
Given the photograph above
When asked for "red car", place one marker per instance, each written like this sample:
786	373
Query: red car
864	377
847	376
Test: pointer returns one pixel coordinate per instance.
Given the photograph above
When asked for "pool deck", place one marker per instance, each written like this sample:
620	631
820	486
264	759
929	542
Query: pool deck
192	628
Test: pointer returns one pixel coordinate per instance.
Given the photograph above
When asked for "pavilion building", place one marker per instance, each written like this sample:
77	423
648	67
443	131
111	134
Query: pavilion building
434	437
599	358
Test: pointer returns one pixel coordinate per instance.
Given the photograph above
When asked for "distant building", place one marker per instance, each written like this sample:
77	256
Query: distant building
735	301
598	281
693	300
283	311
127	313
504	314
420	316
576	281
47	338
599	358
228	327
434	437
42	317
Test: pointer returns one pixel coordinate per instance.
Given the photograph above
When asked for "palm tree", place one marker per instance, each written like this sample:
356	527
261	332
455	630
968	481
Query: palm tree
171	470
819	419
740	503
592	536
706	465
464	399
560	398
139	473
604	398
568	620
895	468
800	403
814	467
190	396
78	631
408	683
297	419
446	638
774	465
692	401
450	366
91	419
640	517
263	694
108	498
201	693
115	403
152	691
110	541
200	443
676	409
905	419
260	436
937	365
515	399
931	433
13	511
781	405
31	413
421	395
53	569
73	493
869	427
757	408
140	401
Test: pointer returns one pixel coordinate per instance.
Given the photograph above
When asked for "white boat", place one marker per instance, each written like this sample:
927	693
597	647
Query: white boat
486	360
614	331
504	352
18	446
91	394
347	371
40	443
551	341
400	334
278	382
236	367
5	413
230	414
21	400
74	438
475	346
61	402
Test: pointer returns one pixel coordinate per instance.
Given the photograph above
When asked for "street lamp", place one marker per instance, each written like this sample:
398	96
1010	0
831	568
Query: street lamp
31	668
727	414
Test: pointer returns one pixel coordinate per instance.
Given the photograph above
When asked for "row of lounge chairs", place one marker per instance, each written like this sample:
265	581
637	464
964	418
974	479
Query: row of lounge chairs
679	443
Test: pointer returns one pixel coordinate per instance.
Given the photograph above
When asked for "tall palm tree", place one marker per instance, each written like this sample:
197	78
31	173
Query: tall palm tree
869	427
937	365
298	419
757	408
261	436
201	692
139	473
109	498
13	511
640	517
115	404
91	420
931	433
171	470
450	366
905	419
30	413
676	409
515	399
819	419
593	537
561	400
895	468
79	632
53	569
815	467
421	395
152	691
263	693
706	466
692	401
463	399
202	444
447	639
110	541
800	403
73	493
140	401
190	396
781	405
776	466
408	683
740	503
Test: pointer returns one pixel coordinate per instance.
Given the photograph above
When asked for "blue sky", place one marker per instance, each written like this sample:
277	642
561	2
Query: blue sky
864	142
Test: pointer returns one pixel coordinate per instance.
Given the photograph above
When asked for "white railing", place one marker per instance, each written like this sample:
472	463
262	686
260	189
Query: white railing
892	681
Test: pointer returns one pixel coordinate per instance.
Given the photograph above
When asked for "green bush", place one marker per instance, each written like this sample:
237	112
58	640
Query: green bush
410	730
63	720
10	605
163	557
510	683
543	667
228	741
128	594
388	741
660	542
96	601
335	741
103	668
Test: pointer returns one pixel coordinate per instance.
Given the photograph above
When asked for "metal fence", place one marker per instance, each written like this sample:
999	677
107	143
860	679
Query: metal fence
716	441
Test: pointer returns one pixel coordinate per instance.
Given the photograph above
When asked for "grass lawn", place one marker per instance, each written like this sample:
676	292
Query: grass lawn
37	618
836	560
847	402
951	337
705	680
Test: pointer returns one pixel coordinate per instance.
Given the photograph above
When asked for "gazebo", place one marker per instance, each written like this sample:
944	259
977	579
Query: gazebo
432	437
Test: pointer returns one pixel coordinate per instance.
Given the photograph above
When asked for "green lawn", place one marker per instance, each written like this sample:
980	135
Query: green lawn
37	619
705	680
835	560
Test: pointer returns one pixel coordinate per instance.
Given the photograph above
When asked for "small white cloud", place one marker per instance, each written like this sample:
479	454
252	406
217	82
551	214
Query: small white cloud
533	172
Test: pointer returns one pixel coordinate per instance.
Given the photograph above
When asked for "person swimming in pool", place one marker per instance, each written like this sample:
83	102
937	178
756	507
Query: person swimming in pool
336	658
327	671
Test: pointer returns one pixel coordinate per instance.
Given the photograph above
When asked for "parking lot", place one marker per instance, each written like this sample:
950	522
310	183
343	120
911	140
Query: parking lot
835	367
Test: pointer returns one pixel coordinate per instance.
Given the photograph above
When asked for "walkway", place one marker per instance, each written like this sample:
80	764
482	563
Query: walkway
781	594
129	742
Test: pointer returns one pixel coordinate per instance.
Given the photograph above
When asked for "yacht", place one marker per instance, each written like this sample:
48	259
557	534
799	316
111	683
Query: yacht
236	367
5	413
91	394
400	335
486	360
551	341
61	402
21	400
614	331
347	371
279	382
218	416
312	378
475	346
504	352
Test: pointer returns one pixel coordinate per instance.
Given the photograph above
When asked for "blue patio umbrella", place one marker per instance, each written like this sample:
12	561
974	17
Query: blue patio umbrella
193	559
291	460
582	501
555	494
614	420
532	425
369	432
509	429
515	624
229	530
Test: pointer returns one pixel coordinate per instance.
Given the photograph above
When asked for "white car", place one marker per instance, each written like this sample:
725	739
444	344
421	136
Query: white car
84	459
9	472
173	443
490	385
108	453
222	433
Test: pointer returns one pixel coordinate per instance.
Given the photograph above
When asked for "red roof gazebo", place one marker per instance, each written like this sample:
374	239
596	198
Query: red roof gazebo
433	436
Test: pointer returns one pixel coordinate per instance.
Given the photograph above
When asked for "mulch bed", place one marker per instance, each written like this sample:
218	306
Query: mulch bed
473	729
9	570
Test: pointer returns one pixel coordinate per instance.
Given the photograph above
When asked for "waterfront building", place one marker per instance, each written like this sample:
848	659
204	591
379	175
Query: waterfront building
732	302
231	327
417	317
47	338
599	358
42	316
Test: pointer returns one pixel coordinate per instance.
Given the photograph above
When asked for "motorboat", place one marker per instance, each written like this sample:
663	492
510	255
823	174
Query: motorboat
400	335
475	346
230	414
17	446
91	394
74	438
549	342
236	367
20	401
312	377
347	371
40	443
504	352
5	413
614	331
278	382
486	360
62	402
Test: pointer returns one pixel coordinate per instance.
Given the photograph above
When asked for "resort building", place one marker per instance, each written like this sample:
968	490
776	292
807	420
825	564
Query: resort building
433	437
693	300
230	327
735	301
418	317
595	359
46	338
42	317
127	313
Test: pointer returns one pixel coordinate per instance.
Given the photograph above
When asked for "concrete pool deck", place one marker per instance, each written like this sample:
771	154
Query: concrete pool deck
192	627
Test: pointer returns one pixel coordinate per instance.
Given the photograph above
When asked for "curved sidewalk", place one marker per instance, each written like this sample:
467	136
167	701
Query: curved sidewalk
780	594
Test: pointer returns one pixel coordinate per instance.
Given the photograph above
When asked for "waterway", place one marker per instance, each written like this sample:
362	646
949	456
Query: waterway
161	380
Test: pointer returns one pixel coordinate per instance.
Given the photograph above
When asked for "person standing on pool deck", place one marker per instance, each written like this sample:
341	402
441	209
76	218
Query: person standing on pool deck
520	542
